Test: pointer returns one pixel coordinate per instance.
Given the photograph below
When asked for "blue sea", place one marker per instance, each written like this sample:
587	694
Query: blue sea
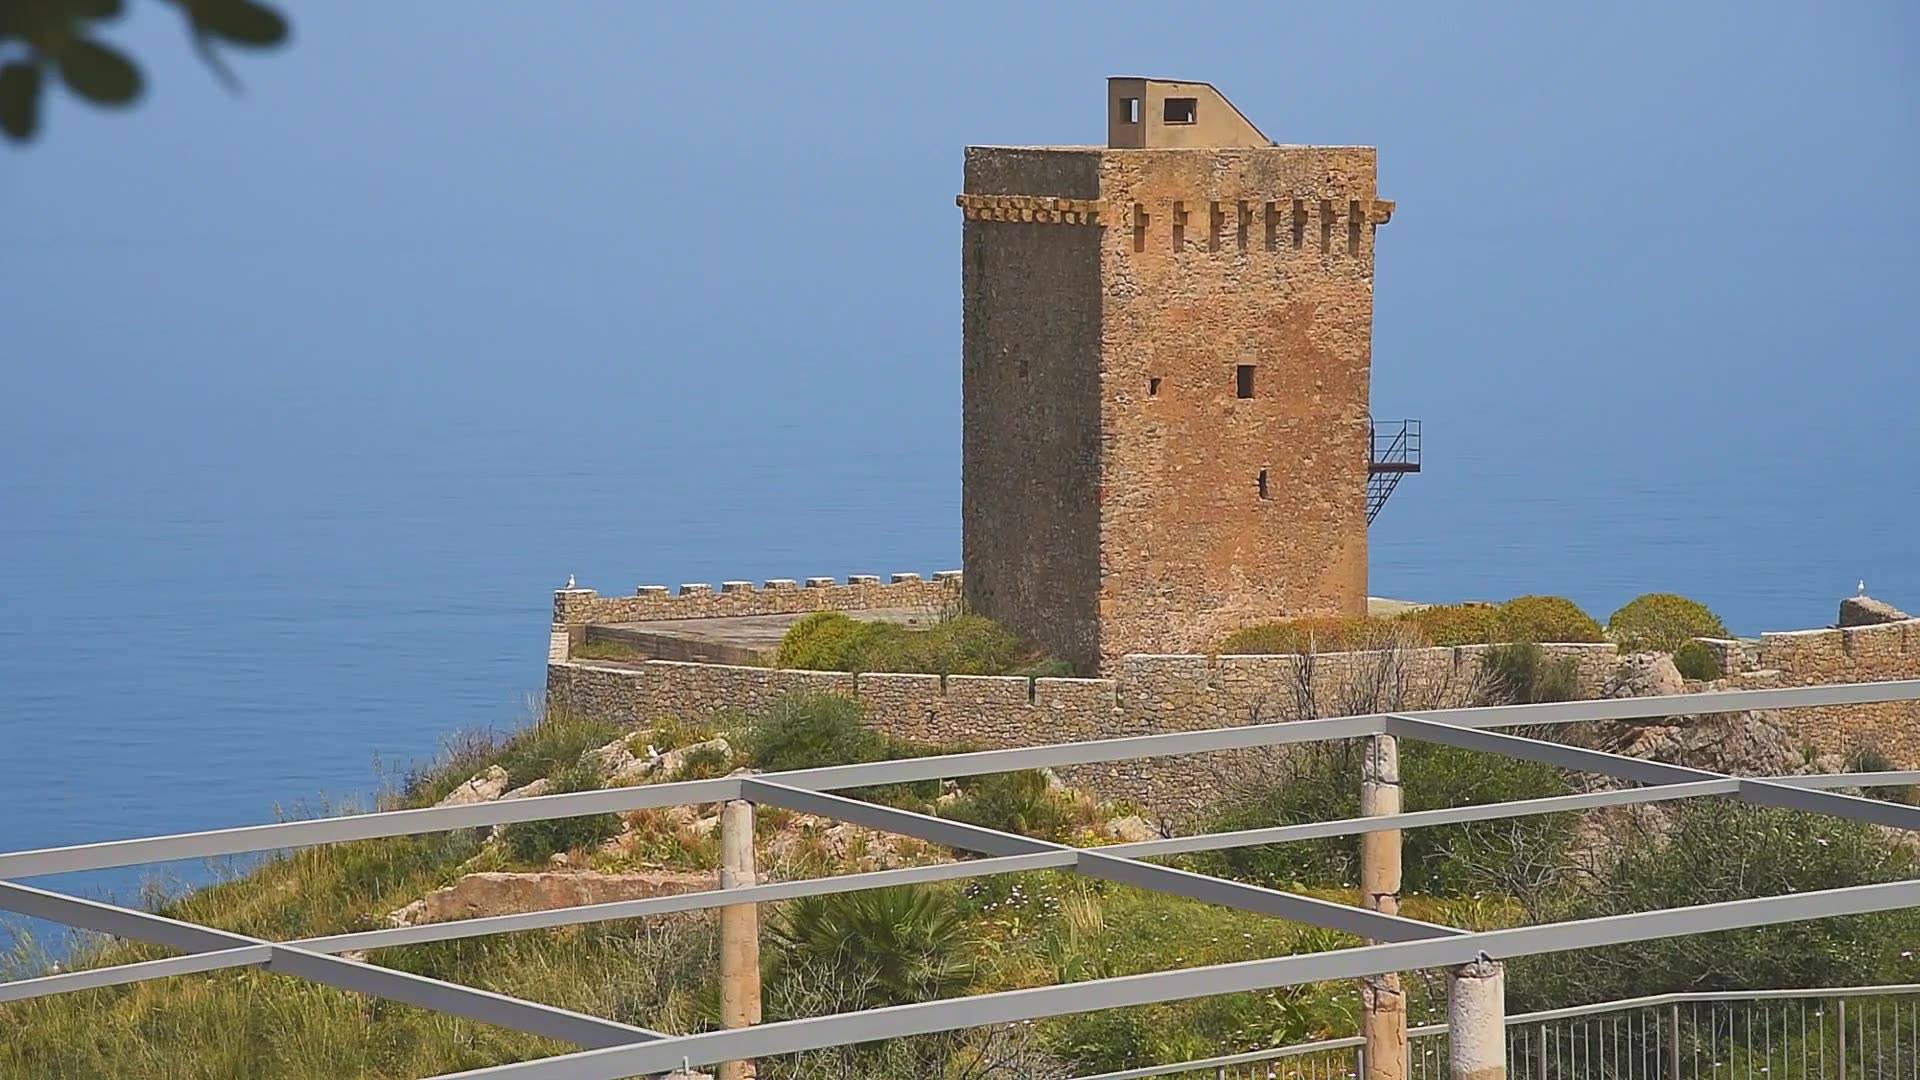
310	397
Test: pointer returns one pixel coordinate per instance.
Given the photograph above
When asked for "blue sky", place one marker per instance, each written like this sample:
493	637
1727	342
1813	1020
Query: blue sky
1649	283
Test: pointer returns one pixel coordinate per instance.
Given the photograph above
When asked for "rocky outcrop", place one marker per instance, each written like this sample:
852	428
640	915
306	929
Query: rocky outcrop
1742	744
496	893
1647	674
486	786
1866	611
1131	829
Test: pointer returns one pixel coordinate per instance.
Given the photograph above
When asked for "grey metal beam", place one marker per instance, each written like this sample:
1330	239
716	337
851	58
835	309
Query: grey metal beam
1853	807
408	822
292	834
1307	909
456	1000
1618	766
693	901
953	834
1063	858
1757	791
94	978
1640	708
1236	894
1093	751
1011	1006
1317	830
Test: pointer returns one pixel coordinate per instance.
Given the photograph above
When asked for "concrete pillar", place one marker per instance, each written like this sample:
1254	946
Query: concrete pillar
1383	1018
1477	1021
739	932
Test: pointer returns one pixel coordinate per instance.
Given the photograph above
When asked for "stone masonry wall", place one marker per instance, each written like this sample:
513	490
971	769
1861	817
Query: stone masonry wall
1224	505
574	608
1149	694
1876	653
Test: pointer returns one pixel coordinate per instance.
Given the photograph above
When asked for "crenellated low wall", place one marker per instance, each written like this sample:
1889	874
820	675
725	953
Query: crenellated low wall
575	608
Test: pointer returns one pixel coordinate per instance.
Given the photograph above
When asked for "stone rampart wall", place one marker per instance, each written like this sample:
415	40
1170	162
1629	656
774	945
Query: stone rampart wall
1150	694
1876	653
575	608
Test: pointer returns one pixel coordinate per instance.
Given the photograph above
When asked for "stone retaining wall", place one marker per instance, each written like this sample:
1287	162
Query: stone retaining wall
1876	653
1150	694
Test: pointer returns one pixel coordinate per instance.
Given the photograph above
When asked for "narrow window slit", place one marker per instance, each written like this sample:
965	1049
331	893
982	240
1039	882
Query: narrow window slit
1216	221
1139	227
1153	386
1243	381
1353	227
1245	219
1179	226
1273	227
1299	223
1326	225
1264	493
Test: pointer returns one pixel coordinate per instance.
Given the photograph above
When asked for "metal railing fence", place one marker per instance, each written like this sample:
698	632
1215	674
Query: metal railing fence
1829	1033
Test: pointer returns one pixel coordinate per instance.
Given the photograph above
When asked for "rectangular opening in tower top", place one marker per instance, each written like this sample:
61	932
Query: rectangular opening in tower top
1130	110
1243	381
1181	110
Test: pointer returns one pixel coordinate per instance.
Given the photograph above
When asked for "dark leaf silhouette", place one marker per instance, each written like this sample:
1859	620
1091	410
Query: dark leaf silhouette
98	73
19	99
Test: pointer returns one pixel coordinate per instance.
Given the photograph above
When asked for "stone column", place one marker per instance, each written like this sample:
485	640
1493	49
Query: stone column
1383	1021
739	932
1477	1021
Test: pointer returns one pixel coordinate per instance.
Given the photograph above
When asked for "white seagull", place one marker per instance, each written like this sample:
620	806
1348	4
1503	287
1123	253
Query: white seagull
1863	588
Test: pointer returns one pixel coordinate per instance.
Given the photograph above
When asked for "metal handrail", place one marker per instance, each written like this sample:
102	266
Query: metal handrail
1278	1053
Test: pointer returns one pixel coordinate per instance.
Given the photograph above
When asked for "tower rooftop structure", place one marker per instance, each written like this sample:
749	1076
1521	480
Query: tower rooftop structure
1166	360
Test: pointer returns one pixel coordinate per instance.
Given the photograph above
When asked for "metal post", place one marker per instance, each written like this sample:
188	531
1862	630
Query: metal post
1673	1051
1477	1021
739	932
1841	1072
1383	1002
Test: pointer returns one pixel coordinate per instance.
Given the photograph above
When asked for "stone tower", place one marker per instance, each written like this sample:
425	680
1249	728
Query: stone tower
1166	353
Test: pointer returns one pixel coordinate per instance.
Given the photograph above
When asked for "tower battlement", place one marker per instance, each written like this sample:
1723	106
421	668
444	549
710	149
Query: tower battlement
1167	345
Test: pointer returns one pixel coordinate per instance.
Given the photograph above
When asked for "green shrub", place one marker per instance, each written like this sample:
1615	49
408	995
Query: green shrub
897	945
961	645
1662	622
704	763
1456	624
1322	783
810	730
822	641
1521	673
1320	635
1019	802
1864	757
534	841
1547	619
1717	850
1696	661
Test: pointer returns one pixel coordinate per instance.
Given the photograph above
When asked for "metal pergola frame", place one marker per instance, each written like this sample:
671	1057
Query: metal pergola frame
612	1049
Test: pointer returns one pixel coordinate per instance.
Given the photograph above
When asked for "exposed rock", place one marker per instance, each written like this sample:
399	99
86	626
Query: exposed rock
1131	829
1866	611
683	1074
1743	744
486	786
609	759
495	893
527	791
633	771
673	761
1645	675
